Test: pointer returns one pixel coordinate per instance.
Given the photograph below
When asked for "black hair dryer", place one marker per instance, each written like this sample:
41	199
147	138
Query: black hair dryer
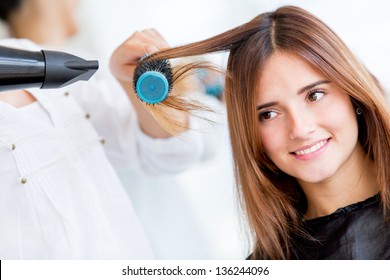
20	69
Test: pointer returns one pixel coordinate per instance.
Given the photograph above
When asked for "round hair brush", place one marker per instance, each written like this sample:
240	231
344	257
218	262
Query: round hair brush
153	80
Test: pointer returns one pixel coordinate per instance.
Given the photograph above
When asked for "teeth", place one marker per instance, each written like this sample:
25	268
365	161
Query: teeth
311	149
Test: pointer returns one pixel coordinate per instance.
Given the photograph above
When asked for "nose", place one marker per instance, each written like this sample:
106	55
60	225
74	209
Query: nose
301	125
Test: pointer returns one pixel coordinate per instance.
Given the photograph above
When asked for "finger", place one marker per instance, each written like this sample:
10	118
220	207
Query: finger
152	32
152	36
151	49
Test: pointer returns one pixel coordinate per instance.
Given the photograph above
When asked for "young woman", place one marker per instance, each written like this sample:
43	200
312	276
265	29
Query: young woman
310	133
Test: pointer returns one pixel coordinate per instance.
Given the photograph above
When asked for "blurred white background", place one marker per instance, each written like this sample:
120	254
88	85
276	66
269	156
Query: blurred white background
194	215
363	24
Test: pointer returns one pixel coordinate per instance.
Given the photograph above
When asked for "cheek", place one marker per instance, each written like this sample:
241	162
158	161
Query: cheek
272	141
342	116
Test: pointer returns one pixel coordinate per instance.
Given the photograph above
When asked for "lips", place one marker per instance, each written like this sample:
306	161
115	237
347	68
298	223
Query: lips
310	151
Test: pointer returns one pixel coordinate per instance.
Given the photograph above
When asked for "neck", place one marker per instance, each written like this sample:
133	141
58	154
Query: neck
354	182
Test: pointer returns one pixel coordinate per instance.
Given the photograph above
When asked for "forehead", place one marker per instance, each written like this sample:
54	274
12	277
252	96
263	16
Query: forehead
286	71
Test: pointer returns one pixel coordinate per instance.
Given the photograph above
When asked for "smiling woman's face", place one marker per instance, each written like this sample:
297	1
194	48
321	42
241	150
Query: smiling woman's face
308	127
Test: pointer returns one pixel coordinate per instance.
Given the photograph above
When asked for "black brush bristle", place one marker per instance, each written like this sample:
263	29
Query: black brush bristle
149	64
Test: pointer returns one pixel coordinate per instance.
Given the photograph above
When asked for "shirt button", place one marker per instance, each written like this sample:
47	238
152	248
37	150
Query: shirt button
102	141
87	116
66	93
23	181
13	147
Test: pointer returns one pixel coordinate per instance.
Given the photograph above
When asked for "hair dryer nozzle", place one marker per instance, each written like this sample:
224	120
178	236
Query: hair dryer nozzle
21	69
63	69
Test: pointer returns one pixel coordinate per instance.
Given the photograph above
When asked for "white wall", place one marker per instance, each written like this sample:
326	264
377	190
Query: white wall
363	24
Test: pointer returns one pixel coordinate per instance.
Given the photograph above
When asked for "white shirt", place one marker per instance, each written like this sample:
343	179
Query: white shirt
60	197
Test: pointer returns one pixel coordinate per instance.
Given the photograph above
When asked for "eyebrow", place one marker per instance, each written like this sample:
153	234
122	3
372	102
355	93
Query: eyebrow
269	104
300	91
308	87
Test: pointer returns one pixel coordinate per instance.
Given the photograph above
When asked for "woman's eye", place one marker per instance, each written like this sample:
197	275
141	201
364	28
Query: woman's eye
267	115
315	95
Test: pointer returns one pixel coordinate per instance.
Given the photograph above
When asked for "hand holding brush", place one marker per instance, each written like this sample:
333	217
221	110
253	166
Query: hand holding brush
153	76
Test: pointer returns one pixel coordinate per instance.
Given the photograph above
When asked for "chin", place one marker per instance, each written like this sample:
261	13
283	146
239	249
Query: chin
72	31
315	178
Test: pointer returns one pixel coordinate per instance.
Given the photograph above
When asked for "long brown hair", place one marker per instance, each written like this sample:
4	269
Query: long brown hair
272	200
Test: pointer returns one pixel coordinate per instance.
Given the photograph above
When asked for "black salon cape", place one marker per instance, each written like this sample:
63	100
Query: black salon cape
354	232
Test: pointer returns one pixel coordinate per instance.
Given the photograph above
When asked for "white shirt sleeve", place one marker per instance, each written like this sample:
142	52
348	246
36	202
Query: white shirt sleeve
115	119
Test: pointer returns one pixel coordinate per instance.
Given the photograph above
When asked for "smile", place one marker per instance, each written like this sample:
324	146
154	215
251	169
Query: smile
310	152
312	149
